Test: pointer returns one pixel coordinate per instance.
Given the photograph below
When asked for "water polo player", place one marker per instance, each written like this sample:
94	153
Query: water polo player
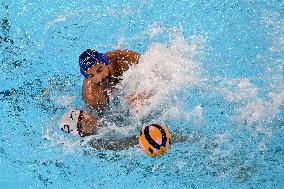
79	123
101	73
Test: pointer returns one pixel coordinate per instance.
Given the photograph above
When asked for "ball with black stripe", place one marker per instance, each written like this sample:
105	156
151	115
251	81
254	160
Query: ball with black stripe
155	139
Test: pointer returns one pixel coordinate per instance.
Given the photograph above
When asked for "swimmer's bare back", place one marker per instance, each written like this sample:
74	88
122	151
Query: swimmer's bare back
95	88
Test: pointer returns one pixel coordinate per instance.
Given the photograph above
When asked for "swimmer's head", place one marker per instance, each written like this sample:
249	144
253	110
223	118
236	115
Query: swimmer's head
90	58
69	121
79	123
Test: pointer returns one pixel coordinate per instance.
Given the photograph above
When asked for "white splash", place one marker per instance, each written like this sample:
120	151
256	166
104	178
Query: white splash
163	71
51	23
155	30
177	112
65	100
238	90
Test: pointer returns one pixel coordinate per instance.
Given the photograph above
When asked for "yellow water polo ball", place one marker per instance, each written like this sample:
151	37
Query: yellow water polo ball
155	139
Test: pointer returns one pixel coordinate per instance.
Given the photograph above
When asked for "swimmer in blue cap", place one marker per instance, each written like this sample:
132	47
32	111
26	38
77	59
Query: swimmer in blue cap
101	73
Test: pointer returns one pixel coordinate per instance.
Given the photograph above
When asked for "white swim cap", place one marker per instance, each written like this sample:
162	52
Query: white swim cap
69	121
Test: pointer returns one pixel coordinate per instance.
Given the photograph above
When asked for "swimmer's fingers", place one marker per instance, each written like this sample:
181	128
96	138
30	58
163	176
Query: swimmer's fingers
137	101
137	97
130	98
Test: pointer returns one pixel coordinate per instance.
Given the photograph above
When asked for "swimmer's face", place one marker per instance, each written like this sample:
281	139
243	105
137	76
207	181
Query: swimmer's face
87	124
99	73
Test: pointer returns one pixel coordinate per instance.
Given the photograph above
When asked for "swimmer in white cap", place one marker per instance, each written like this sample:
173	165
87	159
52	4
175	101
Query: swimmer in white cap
79	123
82	124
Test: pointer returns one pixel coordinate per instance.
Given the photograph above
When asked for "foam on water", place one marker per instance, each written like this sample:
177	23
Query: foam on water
260	98
164	70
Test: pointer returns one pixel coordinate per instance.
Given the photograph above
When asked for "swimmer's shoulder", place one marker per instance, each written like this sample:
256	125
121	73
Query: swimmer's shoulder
123	55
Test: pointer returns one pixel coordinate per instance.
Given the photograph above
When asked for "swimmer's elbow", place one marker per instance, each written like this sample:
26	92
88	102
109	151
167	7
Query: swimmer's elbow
93	97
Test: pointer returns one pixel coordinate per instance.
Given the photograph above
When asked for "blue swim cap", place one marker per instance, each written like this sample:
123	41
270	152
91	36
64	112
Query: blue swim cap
90	58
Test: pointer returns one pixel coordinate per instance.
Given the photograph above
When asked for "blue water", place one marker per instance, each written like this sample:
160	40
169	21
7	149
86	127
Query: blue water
236	143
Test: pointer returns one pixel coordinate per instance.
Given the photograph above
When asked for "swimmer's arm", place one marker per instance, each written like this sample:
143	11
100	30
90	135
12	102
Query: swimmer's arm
128	142
93	95
113	144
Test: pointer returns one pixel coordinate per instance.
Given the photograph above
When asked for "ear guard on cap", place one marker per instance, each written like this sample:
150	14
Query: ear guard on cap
69	122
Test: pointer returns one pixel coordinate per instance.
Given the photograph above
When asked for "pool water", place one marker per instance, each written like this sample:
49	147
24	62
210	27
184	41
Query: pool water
217	67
